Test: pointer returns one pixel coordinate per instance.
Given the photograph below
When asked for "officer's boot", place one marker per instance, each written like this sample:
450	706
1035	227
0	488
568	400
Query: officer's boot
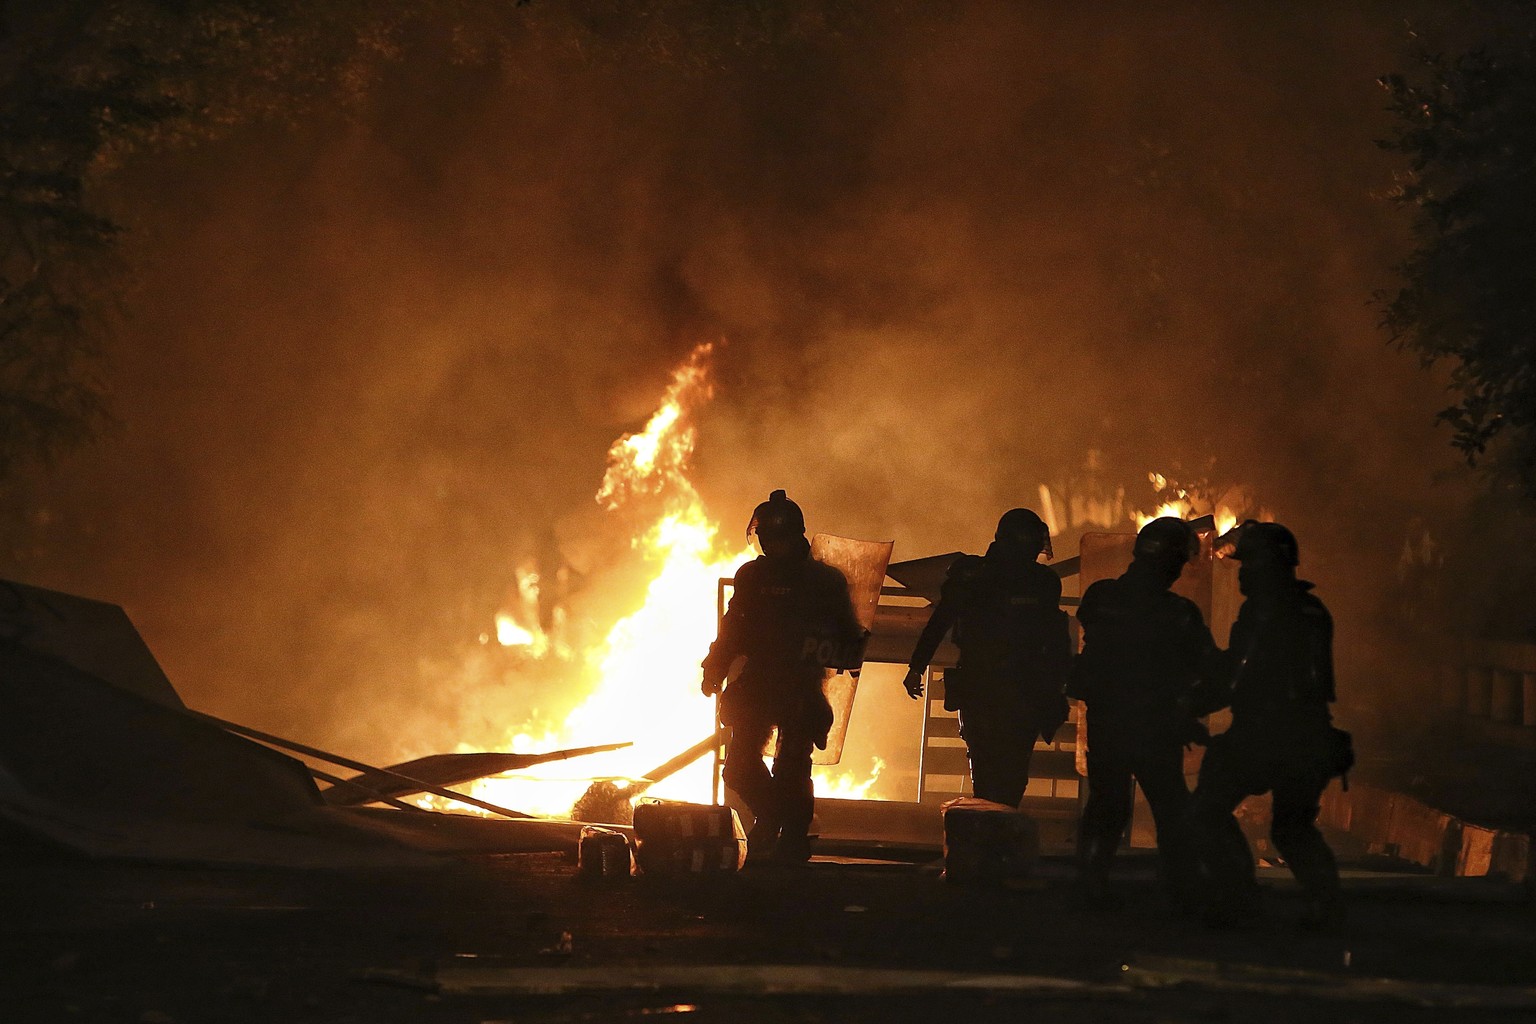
799	803
762	839
1312	862
750	779
1179	869
1095	854
1324	912
1233	899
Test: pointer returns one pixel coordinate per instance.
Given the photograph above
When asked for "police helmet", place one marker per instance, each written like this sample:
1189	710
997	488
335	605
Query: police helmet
778	516
1266	543
1023	527
1167	539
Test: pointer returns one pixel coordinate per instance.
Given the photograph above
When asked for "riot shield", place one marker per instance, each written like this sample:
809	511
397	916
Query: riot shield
863	562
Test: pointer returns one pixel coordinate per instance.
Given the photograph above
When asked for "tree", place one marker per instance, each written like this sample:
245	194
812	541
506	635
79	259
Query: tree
1469	294
81	84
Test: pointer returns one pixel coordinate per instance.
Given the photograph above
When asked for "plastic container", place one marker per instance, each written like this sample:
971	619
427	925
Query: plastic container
986	843
674	838
603	853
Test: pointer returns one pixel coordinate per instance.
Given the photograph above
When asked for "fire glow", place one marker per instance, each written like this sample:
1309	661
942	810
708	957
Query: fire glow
1181	504
643	677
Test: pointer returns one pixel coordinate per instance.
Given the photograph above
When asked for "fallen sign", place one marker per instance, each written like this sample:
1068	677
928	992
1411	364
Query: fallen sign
100	757
105	772
420	785
382	784
509	831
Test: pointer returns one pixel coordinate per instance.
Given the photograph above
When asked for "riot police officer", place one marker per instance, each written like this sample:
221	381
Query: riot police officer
1004	608
1144	649
1281	740
784	606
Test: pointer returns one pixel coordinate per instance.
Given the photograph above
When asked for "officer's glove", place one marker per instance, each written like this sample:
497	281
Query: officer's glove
914	683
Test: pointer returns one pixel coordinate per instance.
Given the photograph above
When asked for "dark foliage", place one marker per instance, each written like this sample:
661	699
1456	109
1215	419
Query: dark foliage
1467	124
82	84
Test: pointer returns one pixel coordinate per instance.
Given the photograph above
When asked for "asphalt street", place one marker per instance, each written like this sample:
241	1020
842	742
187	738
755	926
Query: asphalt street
523	938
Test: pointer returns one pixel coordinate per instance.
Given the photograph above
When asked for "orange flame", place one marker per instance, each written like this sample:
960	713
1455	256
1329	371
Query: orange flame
1182	504
643	679
655	461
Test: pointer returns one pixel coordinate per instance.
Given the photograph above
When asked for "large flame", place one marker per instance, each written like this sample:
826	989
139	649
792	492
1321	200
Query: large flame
1182	503
643	678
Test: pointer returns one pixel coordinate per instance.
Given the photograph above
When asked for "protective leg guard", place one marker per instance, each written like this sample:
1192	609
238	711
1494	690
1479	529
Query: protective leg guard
1095	854
797	797
1313	864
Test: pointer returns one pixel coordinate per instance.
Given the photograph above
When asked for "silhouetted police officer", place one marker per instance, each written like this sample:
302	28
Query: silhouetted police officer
1004	608
1144	648
1281	738
784	606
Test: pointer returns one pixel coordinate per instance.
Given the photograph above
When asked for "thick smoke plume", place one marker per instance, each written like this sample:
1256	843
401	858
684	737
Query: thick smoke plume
374	363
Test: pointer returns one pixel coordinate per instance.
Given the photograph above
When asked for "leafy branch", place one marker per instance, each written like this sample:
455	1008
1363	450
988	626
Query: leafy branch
1469	287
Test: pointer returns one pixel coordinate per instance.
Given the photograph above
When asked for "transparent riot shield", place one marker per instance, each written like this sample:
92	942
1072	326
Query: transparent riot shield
863	562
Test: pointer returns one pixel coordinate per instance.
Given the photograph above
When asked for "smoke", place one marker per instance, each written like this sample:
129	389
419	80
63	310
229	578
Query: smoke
375	361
